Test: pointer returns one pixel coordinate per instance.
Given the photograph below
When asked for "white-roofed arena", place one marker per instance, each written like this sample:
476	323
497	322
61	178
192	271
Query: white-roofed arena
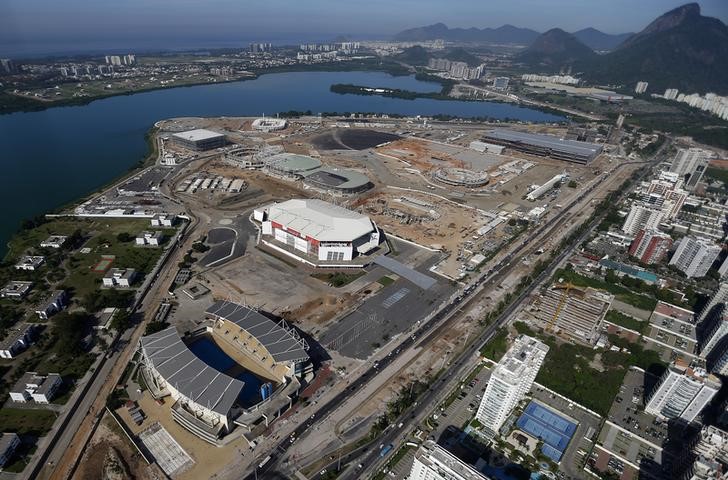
317	232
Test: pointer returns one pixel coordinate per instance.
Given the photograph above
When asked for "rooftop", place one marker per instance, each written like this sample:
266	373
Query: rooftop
189	375
525	354
320	220
197	135
547	141
672	311
293	162
282	342
339	178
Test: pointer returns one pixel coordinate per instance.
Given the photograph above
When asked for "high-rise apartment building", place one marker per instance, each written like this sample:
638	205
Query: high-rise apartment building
642	217
694	256
691	164
650	246
641	87
511	380
682	392
433	462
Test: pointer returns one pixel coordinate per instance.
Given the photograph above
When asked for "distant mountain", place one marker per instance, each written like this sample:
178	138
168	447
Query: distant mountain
503	34
680	49
555	48
416	55
596	40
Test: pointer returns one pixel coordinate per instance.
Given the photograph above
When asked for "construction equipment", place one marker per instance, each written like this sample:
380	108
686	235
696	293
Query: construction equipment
562	302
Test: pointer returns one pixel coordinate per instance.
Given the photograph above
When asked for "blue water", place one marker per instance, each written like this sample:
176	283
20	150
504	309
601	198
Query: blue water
55	156
207	351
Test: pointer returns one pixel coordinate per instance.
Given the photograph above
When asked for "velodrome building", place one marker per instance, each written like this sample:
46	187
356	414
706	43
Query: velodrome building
209	402
317	233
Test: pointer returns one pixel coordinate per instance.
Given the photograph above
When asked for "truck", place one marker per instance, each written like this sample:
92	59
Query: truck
385	450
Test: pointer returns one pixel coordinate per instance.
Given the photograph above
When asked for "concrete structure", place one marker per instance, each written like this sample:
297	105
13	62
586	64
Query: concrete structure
33	387
54	241
433	462
119	277
150	238
486	147
694	256
690	164
291	165
29	262
720	296
317	232
682	392
723	269
199	139
9	442
339	181
510	381
539	191
545	145
269	124
642	217
16	340
54	304
16	290
673	327
577	314
650	246
460	177
707	457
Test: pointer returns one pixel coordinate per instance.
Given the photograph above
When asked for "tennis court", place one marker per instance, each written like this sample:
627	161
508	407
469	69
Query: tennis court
554	430
104	263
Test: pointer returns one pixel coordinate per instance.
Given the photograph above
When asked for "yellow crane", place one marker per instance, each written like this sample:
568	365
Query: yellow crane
562	302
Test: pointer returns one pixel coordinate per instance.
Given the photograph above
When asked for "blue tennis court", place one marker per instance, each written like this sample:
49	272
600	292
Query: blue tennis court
546	425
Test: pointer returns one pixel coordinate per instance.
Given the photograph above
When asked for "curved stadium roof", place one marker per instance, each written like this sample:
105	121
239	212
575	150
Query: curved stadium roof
283	343
188	374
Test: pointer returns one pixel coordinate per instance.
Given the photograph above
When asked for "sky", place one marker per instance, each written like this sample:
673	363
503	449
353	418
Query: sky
39	26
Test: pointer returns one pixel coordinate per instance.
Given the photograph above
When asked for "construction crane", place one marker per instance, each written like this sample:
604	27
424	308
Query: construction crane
562	302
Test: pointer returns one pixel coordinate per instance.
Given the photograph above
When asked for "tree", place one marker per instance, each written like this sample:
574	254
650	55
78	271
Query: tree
124	237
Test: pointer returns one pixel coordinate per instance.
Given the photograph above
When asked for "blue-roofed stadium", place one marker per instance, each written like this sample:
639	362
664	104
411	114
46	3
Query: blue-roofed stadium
554	430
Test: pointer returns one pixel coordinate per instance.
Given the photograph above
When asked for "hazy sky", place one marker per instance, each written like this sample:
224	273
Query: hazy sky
29	25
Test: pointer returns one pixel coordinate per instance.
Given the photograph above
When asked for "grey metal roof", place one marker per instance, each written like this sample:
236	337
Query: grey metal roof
189	375
419	279
282	342
547	141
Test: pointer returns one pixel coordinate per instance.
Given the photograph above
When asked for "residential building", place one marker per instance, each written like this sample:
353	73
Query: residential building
642	217
510	381
16	340
54	241
33	387
682	392
9	443
691	164
706	457
723	269
500	83
53	304
720	296
650	246
673	327
150	238
641	87
670	94
119	277
433	462
16	290
29	262
694	256
8	66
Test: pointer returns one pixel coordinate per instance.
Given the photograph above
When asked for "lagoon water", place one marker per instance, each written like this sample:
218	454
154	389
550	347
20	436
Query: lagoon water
51	157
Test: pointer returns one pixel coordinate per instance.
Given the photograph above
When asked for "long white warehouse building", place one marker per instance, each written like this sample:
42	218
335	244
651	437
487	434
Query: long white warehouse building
317	232
540	191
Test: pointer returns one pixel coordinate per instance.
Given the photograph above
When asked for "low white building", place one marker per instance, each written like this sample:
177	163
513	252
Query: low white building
119	277
33	387
54	241
150	238
164	220
16	340
54	304
29	262
16	289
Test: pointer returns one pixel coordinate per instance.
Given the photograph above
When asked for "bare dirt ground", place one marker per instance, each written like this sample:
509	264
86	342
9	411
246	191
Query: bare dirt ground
109	436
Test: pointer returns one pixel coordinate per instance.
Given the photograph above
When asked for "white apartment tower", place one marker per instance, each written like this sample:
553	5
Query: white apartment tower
641	87
682	392
511	380
432	462
694	256
642	217
720	296
691	162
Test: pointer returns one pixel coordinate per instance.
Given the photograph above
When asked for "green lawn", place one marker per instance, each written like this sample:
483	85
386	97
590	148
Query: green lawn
626	321
718	174
496	347
385	280
27	421
621	293
338	279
